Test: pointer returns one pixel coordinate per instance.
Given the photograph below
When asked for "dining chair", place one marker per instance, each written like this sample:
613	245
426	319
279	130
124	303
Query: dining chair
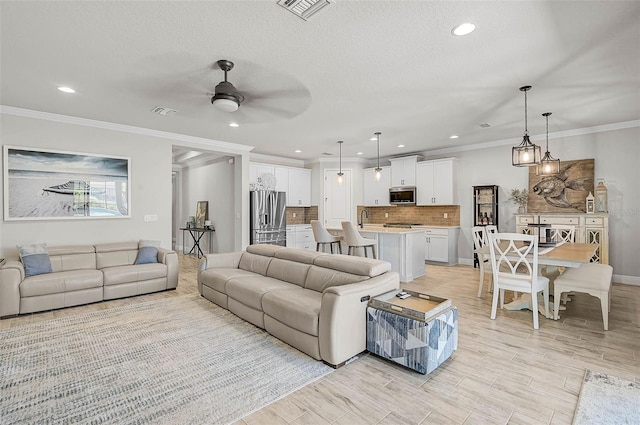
514	258
354	240
559	234
323	237
480	241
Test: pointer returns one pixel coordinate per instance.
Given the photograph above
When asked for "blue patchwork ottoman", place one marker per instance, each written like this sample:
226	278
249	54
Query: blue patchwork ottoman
421	345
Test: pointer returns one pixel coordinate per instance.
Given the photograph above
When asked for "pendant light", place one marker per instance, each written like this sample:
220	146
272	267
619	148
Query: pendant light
340	174
549	166
378	170
526	154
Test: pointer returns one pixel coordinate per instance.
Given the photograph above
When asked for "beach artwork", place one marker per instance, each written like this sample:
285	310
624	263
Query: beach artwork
44	184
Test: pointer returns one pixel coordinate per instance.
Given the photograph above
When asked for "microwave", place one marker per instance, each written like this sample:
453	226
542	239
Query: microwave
405	195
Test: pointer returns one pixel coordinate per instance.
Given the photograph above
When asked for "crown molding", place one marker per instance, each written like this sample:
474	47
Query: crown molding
210	144
272	159
538	137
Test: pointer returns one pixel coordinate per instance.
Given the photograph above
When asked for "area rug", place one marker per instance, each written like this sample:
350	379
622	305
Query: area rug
606	399
172	361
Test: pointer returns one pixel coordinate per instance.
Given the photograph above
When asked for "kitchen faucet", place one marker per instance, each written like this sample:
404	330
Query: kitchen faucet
366	214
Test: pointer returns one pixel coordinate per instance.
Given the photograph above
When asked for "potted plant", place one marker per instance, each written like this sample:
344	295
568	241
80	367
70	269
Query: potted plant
520	197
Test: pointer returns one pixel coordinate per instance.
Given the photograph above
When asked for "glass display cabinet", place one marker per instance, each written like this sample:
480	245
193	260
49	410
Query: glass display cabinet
485	209
485	201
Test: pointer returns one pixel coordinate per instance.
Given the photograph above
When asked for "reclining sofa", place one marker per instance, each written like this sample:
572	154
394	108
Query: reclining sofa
313	301
83	274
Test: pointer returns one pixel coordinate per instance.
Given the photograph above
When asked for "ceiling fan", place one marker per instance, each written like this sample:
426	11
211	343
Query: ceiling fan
227	98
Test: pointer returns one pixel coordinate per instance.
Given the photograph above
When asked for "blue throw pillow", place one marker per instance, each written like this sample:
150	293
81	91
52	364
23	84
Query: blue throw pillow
35	259
146	255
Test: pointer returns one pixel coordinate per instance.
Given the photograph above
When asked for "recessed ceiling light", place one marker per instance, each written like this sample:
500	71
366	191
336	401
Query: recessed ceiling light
453	136
359	153
297	151
463	29
66	89
401	146
234	124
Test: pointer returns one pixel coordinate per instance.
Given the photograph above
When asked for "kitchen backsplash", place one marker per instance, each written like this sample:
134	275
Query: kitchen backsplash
304	215
433	216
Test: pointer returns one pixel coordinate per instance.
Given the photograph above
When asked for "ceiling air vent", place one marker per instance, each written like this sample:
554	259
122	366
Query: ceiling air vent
484	125
304	8
163	111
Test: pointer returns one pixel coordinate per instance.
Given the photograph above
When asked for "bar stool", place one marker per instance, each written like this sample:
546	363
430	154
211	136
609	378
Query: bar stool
323	237
354	240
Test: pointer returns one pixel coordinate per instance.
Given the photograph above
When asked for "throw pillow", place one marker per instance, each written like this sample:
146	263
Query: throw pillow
35	259
147	255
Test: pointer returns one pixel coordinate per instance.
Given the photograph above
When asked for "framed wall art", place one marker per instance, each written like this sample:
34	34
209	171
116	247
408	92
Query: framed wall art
202	213
43	184
564	192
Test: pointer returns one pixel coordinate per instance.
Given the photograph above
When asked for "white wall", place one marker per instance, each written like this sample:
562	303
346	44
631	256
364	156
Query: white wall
150	184
214	183
616	155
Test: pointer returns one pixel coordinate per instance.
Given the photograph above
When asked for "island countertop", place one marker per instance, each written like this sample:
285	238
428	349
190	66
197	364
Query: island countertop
379	229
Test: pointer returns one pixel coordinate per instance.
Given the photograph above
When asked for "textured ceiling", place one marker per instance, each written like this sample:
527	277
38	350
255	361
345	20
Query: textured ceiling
354	68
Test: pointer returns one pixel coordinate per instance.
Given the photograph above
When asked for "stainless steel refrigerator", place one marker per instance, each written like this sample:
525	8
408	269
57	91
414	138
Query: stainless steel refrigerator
268	219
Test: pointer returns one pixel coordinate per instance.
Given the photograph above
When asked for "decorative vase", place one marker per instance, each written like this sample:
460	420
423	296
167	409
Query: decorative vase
522	209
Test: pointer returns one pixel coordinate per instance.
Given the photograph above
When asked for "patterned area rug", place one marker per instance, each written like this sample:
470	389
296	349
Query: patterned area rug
606	399
179	360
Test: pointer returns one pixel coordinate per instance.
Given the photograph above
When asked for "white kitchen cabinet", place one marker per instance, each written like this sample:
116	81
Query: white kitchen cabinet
300	236
296	182
403	171
436	182
376	192
441	244
299	193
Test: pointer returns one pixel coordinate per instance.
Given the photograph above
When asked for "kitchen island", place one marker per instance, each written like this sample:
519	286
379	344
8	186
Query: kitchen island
402	247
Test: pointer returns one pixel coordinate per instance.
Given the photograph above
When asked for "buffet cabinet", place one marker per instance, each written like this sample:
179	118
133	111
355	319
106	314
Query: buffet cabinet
590	228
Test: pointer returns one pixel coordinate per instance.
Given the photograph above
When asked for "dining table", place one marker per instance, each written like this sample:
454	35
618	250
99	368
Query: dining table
569	254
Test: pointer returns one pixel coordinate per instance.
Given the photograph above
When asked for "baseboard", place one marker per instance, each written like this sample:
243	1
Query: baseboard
626	280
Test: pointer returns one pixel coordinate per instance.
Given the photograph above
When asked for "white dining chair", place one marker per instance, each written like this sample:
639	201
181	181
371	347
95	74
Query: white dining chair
354	240
514	258
323	237
558	234
480	241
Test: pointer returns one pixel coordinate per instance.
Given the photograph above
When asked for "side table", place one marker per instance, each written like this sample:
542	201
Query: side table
196	234
405	332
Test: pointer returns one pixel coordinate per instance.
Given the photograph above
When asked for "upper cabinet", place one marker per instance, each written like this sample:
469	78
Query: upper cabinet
299	193
296	182
376	192
436	182
403	171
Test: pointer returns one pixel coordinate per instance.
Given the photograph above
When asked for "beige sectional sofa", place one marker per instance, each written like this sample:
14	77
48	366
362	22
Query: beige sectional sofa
313	301
84	274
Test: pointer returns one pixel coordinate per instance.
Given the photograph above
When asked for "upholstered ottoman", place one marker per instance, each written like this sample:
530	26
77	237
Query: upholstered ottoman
411	342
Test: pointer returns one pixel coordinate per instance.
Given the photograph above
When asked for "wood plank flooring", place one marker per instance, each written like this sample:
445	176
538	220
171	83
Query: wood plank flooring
504	372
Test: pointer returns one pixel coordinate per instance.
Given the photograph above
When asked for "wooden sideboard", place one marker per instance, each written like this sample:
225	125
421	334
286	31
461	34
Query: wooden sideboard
590	228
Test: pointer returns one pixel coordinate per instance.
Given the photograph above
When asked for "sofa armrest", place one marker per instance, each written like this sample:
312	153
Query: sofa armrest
170	258
11	274
343	316
229	260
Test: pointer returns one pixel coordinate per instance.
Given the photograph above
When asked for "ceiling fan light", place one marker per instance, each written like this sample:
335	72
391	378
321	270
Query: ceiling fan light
226	104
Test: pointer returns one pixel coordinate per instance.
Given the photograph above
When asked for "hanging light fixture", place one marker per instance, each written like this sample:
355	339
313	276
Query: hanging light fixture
378	170
526	154
549	166
340	173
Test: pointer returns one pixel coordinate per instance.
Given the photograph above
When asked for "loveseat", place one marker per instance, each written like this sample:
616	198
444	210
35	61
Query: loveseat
83	274
313	301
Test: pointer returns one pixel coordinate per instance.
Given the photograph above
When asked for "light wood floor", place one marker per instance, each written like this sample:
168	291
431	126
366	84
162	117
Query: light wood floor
503	371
